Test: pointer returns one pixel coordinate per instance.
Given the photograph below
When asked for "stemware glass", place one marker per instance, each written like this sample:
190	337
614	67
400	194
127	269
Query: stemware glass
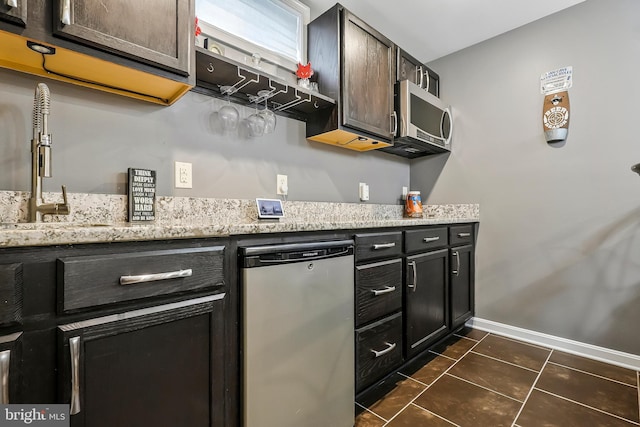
268	115
228	114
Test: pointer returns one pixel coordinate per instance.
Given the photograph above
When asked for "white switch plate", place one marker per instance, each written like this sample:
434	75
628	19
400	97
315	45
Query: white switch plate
183	175
282	187
405	190
364	192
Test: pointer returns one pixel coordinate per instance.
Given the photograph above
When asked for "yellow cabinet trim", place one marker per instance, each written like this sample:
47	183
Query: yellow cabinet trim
84	70
349	140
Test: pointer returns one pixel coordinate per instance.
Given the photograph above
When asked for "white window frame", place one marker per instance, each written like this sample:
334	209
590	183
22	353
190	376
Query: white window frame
250	48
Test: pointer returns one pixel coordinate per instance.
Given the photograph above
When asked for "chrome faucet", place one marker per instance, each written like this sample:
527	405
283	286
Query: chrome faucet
41	159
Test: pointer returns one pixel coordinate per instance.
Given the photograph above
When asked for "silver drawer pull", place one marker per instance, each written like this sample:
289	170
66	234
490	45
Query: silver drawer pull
74	350
12	3
390	347
464	234
456	271
130	280
65	12
430	239
384	245
5	358
386	290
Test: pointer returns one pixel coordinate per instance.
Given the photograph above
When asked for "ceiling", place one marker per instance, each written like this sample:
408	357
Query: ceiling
430	29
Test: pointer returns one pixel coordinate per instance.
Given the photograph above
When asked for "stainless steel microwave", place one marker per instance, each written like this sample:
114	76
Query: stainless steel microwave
425	121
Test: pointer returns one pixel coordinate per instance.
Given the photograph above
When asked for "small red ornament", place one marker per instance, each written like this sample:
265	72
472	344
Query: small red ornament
304	71
198	30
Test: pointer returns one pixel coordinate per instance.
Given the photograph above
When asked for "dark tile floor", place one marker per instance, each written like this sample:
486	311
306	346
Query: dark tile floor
477	379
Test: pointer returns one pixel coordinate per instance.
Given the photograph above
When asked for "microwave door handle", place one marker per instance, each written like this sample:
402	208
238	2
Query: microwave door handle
445	113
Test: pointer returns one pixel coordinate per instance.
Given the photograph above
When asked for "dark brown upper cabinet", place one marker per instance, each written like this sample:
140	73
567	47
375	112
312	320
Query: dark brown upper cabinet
14	11
409	68
140	49
156	31
354	64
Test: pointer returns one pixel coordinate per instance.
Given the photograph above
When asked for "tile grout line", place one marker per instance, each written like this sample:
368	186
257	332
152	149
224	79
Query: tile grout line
466	338
587	406
532	387
592	374
371	412
442	355
434	381
504	361
483	387
436	415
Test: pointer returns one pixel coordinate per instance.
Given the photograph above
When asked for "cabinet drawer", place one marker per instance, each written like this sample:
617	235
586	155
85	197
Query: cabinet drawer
428	238
378	290
10	293
378	350
459	234
93	280
378	245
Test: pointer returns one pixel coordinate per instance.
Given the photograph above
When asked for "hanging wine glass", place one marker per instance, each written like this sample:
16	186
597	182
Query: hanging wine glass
268	115
228	114
256	123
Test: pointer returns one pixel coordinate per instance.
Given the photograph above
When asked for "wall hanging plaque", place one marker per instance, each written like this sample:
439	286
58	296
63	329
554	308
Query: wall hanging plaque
142	195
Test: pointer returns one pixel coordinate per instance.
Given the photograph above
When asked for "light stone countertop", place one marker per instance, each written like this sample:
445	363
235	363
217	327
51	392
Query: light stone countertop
102	218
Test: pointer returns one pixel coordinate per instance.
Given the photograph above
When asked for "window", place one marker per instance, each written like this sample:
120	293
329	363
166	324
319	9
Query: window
274	29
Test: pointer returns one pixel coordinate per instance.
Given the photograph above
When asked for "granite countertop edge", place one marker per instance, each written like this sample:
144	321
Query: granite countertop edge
49	234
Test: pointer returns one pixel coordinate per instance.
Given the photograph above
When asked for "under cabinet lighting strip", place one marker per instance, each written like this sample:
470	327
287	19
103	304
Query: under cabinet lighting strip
137	313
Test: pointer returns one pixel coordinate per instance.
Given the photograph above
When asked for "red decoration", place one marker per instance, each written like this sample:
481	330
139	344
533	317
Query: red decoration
198	30
304	71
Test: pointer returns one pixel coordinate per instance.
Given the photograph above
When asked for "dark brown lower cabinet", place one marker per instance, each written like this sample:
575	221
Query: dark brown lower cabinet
462	285
426	299
157	366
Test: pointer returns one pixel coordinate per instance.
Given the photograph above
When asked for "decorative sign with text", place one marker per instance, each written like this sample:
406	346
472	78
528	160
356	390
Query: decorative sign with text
142	195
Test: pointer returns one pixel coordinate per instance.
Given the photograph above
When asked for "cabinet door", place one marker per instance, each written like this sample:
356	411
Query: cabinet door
426	299
408	68
14	11
368	64
462	284
150	367
153	31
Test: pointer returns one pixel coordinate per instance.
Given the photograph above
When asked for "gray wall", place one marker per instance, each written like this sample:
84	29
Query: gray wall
559	238
97	136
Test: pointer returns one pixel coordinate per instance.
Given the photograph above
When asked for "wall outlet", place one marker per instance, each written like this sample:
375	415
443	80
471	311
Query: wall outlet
364	192
183	175
282	187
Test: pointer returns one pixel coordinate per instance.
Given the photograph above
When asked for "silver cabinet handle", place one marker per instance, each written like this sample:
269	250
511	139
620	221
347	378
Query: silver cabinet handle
413	266
428	81
65	12
421	71
5	358
464	234
430	239
394	127
390	347
457	269
384	245
142	278
386	290
74	349
12	3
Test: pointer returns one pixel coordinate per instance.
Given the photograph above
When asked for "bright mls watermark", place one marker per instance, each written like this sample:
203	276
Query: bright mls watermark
34	415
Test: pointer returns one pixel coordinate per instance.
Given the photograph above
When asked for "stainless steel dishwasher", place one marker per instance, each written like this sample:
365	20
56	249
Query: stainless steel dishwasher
298	344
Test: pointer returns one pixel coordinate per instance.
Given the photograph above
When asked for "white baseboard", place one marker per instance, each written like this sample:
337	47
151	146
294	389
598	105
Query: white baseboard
614	357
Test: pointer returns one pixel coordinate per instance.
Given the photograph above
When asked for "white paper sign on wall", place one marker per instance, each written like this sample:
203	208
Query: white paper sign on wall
556	80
